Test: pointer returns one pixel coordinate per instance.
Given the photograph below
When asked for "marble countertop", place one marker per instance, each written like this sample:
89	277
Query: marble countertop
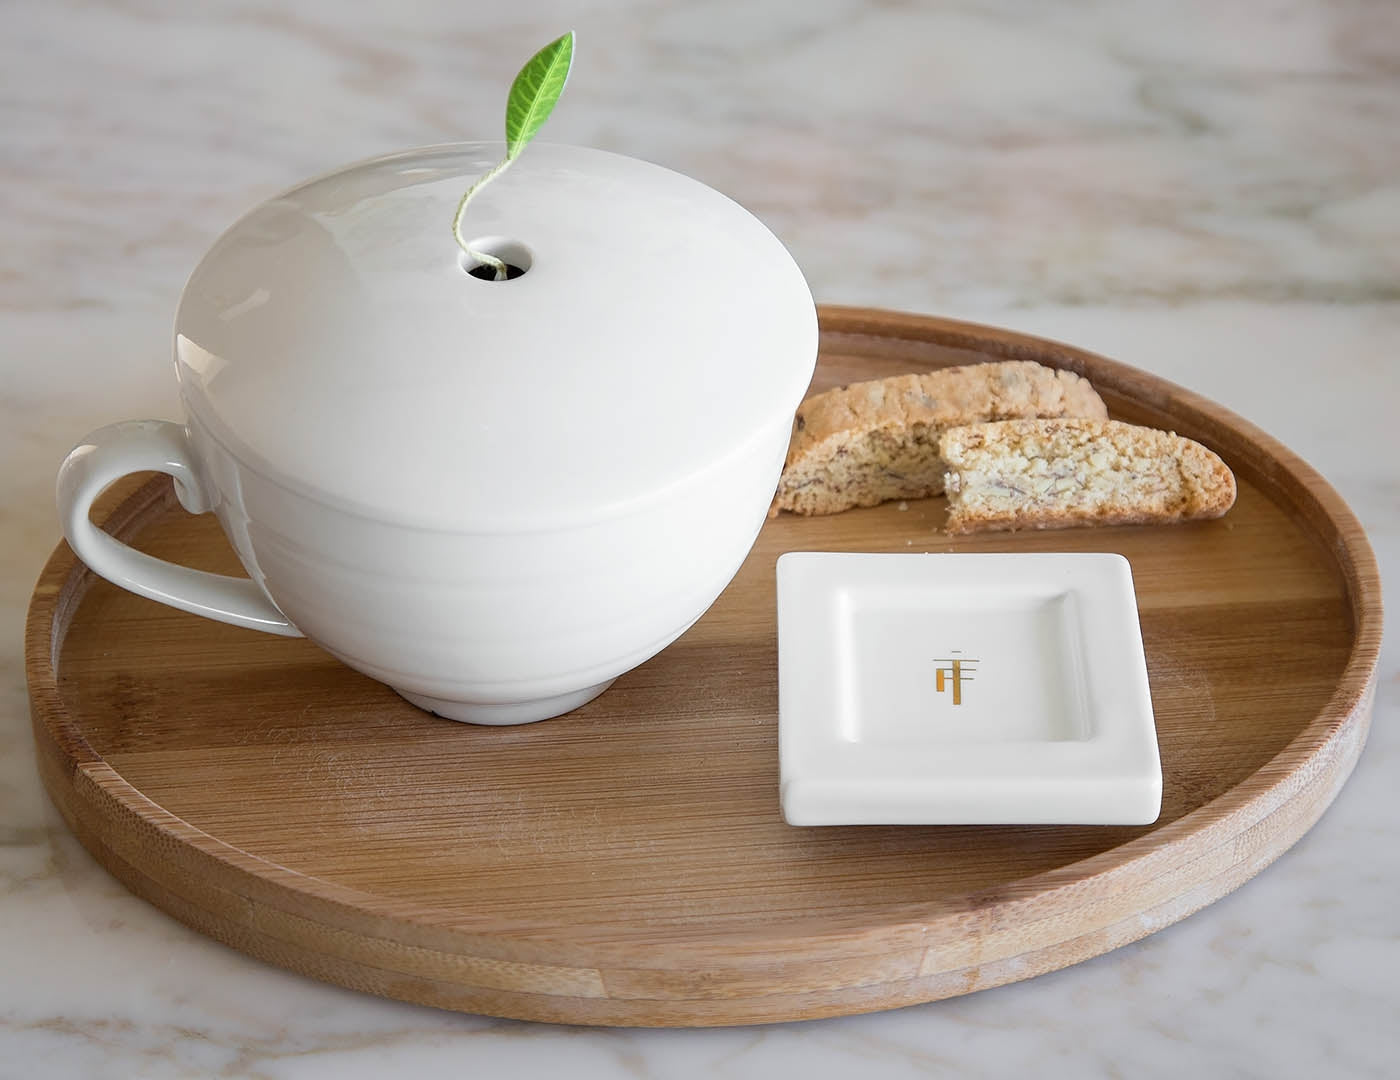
1208	191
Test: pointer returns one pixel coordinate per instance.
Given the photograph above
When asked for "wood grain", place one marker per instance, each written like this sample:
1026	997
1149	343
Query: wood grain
627	863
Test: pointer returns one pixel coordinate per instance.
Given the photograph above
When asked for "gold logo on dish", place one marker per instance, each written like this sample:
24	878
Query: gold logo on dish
952	672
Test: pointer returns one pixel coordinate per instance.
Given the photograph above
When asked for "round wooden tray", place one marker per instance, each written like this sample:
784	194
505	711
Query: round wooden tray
627	863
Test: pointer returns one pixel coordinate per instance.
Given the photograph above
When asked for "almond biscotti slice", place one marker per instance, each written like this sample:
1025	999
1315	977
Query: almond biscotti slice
873	441
1050	474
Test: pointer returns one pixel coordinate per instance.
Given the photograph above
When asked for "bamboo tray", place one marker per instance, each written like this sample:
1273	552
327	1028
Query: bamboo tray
627	864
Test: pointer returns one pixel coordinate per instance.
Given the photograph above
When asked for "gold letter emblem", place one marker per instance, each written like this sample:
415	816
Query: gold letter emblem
954	674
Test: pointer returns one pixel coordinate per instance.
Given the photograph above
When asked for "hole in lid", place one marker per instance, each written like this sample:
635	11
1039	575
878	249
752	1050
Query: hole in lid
513	253
486	272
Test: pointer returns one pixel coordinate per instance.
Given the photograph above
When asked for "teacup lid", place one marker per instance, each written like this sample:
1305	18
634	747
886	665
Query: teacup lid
332	339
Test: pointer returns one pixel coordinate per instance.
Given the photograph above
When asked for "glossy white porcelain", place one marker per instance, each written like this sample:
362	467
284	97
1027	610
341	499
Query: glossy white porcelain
494	496
963	689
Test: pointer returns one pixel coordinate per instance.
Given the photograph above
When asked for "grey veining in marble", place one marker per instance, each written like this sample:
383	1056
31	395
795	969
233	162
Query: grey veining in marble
1210	191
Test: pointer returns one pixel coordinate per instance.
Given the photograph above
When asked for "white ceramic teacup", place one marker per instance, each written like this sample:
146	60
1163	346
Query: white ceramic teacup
495	497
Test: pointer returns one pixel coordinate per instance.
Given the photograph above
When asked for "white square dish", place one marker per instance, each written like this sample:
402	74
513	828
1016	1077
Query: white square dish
947	689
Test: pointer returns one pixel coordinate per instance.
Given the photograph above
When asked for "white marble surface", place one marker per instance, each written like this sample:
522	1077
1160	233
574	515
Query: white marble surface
1209	191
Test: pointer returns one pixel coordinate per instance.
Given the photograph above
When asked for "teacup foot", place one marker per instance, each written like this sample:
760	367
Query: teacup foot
524	712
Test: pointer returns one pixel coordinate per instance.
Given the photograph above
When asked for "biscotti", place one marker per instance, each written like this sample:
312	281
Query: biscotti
1050	474
873	441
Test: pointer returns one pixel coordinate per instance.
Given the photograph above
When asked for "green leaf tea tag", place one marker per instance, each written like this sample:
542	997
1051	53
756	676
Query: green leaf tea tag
532	98
535	91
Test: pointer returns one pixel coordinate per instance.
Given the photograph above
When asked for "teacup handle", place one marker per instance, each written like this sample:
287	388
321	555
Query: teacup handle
110	453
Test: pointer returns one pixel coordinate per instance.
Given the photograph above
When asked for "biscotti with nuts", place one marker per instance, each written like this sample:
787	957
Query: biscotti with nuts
1051	474
870	442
